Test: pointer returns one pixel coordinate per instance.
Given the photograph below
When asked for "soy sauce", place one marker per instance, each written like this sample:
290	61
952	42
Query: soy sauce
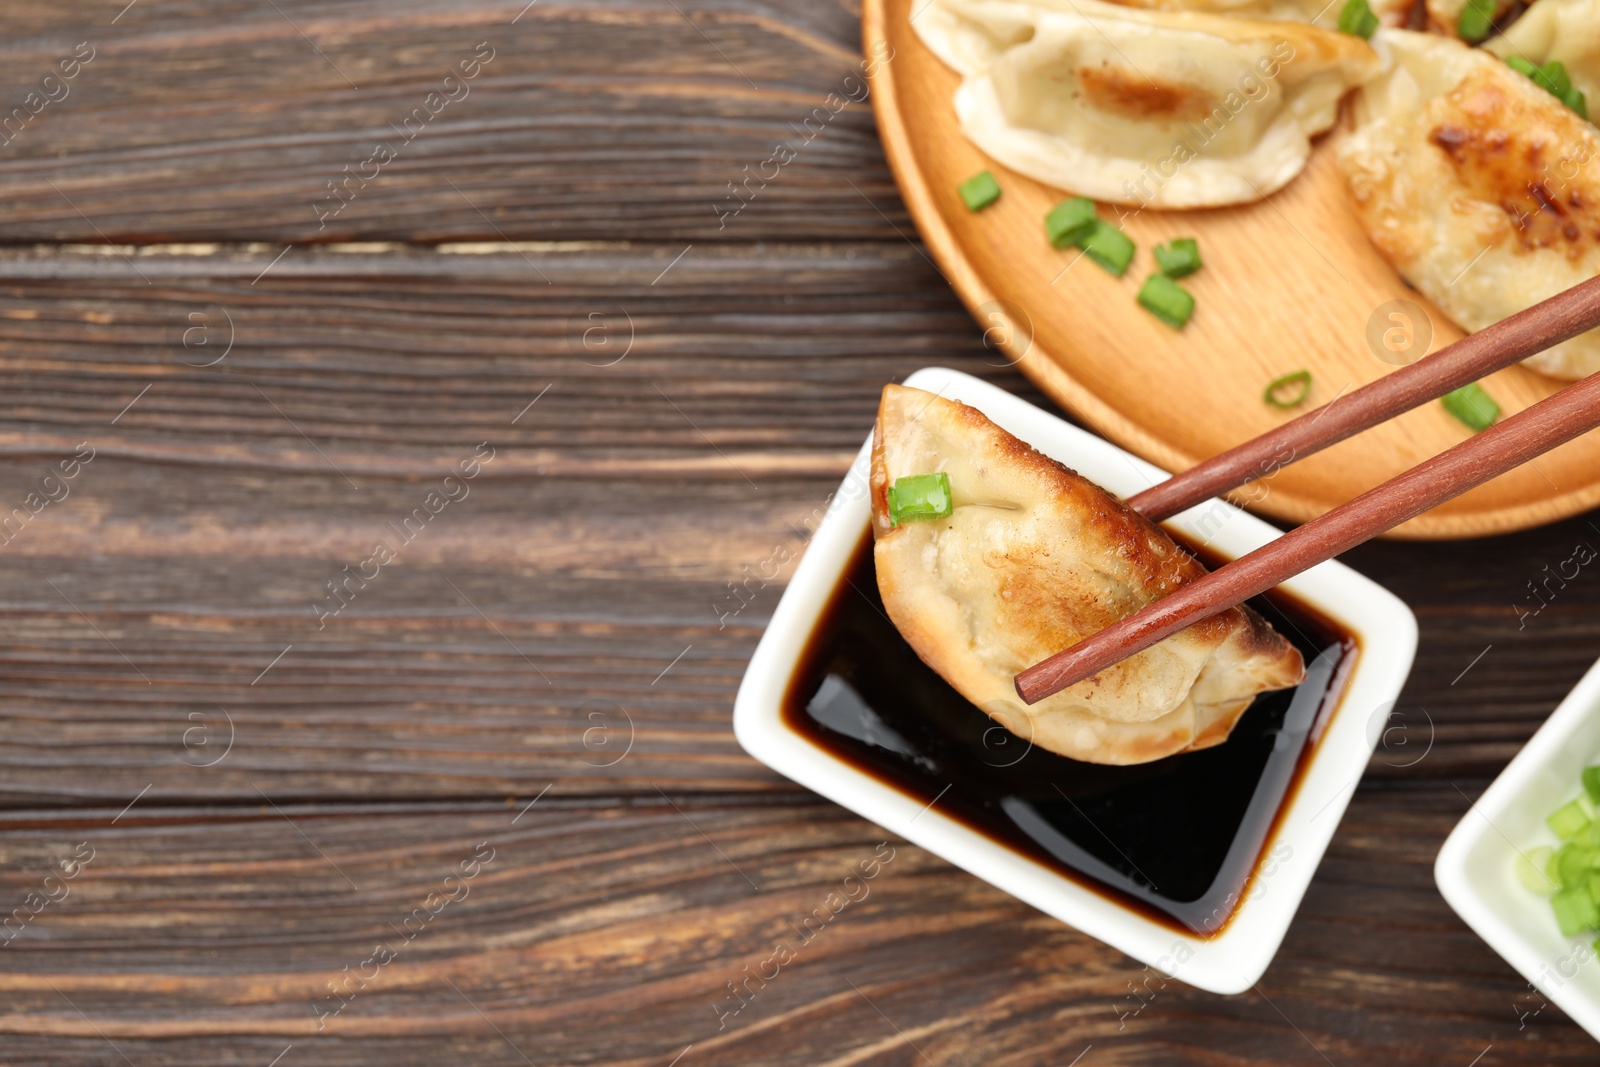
1175	840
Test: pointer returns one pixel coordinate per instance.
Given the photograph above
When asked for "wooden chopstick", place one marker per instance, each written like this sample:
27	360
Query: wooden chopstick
1551	422
1506	342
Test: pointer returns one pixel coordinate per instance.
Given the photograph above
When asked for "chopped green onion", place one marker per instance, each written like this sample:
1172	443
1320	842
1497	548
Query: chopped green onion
919	497
1575	99
1531	867
1573	863
1179	258
1568	821
1074	222
1070	221
979	191
1109	247
1571	872
1166	300
1472	406
1591	783
1476	20
1290	391
1553	78
1523	66
1575	911
1356	17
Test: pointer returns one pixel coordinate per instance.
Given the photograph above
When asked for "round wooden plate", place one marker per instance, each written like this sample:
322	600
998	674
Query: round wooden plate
1288	283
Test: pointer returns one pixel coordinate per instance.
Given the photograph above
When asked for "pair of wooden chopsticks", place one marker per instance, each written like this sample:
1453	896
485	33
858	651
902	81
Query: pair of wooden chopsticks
1551	422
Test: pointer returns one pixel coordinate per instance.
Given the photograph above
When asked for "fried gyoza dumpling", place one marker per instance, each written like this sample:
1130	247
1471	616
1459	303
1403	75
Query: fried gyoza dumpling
1479	186
1031	559
1167	109
1567	31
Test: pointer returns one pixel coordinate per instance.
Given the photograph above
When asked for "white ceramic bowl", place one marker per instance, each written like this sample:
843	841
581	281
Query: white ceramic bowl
1475	869
1227	962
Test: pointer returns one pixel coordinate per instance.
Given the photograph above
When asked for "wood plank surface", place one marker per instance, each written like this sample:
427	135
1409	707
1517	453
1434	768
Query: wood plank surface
228	121
609	935
695	395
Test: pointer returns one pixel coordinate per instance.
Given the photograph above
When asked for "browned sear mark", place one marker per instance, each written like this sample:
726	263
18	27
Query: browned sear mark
1137	96
1521	157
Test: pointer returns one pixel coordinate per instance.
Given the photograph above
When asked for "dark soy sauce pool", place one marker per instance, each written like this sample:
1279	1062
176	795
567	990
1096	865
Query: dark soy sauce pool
1175	840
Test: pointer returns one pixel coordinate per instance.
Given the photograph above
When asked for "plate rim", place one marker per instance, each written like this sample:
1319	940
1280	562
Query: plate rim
1052	377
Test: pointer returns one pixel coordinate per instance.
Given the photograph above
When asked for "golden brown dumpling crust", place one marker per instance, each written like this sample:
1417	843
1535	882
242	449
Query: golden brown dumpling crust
1481	188
1034	559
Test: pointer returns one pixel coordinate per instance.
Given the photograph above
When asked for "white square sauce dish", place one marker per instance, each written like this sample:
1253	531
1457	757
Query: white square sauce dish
1194	863
1476	868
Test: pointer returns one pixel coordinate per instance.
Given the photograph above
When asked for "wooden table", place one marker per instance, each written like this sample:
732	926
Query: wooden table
491	810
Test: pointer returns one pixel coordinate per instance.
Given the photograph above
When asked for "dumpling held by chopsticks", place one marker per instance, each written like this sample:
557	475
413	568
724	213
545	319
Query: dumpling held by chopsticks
991	556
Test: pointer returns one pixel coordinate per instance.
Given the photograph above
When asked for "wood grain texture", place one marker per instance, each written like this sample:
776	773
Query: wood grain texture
596	546
599	543
610	935
1289	283
198	122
